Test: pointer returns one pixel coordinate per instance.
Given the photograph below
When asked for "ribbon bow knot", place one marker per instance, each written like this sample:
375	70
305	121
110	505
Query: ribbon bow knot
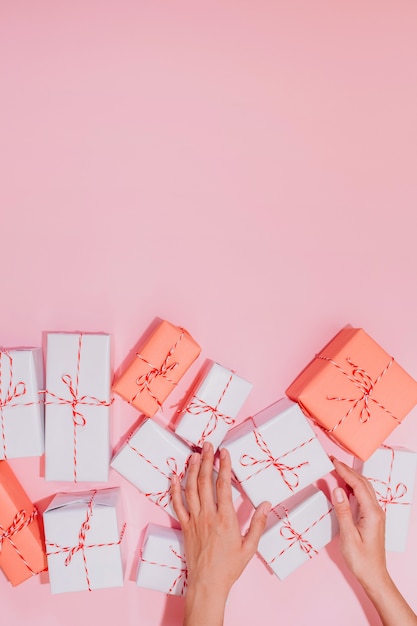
290	534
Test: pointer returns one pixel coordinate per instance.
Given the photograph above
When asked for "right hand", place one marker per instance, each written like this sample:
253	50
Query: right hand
362	543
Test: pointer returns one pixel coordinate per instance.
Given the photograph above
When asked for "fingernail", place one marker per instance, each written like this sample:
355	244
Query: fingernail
266	507
195	457
206	446
174	479
339	495
222	453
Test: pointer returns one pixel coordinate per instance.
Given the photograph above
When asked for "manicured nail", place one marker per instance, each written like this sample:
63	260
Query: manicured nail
195	457
339	495
266	508
206	447
223	453
174	479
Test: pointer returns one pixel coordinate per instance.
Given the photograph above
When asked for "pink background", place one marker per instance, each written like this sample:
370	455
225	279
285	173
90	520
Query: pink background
244	168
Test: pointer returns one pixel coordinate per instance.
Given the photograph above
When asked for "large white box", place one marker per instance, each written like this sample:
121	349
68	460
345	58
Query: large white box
276	453
77	407
391	471
83	535
296	530
21	404
212	406
162	565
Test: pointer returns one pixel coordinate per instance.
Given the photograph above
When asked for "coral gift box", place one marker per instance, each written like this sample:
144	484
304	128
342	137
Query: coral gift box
296	530
21	404
22	552
212	407
276	453
392	471
77	407
162	565
83	534
355	391
157	368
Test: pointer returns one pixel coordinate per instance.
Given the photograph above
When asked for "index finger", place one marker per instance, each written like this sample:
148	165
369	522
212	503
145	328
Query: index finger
224	481
361	487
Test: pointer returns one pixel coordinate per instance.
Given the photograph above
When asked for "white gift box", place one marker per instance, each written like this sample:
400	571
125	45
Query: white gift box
296	530
276	453
77	407
391	472
213	406
21	406
162	565
151	455
83	535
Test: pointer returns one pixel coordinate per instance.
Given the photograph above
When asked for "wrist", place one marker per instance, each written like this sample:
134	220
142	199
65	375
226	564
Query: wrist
204	604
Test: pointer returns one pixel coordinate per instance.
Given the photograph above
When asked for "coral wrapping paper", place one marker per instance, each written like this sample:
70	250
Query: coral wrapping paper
162	566
21	406
77	407
83	534
276	453
22	552
213	406
306	523
392	471
157	367
355	391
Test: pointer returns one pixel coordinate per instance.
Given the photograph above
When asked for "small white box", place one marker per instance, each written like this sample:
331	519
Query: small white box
83	533
212	407
391	471
276	453
296	530
77	407
21	404
162	566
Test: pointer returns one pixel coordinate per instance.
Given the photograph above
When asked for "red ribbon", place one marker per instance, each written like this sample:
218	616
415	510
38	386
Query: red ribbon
75	401
287	472
366	386
183	572
288	532
12	393
392	495
144	382
164	497
199	407
20	521
81	545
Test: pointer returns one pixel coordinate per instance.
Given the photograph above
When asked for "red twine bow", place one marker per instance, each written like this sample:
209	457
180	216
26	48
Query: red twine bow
75	401
164	497
145	381
362	381
81	545
200	407
392	495
20	521
183	572
287	472
288	532
12	393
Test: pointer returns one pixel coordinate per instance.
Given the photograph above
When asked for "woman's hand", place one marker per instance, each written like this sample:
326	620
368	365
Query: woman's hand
215	550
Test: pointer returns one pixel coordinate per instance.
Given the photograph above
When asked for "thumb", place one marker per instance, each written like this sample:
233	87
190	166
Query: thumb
257	526
343	511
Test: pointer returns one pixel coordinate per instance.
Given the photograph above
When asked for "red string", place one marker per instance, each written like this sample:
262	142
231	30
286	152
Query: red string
287	472
144	382
199	407
81	545
20	521
75	401
183	572
288	532
164	497
362	381
12	393
392	495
